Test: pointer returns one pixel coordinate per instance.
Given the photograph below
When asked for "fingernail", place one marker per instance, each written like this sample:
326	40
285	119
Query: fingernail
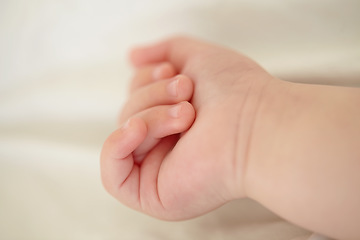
173	87
175	111
126	125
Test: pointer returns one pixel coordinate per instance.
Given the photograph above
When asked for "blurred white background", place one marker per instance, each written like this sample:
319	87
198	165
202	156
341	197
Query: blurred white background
63	78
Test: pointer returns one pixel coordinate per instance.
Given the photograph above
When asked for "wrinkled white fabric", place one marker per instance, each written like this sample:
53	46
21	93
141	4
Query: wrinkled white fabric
63	78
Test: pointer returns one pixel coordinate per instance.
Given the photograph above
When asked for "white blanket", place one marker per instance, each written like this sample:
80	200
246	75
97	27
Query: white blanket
63	78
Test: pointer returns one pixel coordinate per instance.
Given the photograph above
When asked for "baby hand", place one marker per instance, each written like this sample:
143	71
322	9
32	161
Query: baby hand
208	165
184	177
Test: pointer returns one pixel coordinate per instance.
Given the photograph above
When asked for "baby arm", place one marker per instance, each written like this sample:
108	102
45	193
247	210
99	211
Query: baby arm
309	174
297	146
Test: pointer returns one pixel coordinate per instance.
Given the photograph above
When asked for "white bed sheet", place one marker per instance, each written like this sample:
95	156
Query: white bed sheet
63	77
